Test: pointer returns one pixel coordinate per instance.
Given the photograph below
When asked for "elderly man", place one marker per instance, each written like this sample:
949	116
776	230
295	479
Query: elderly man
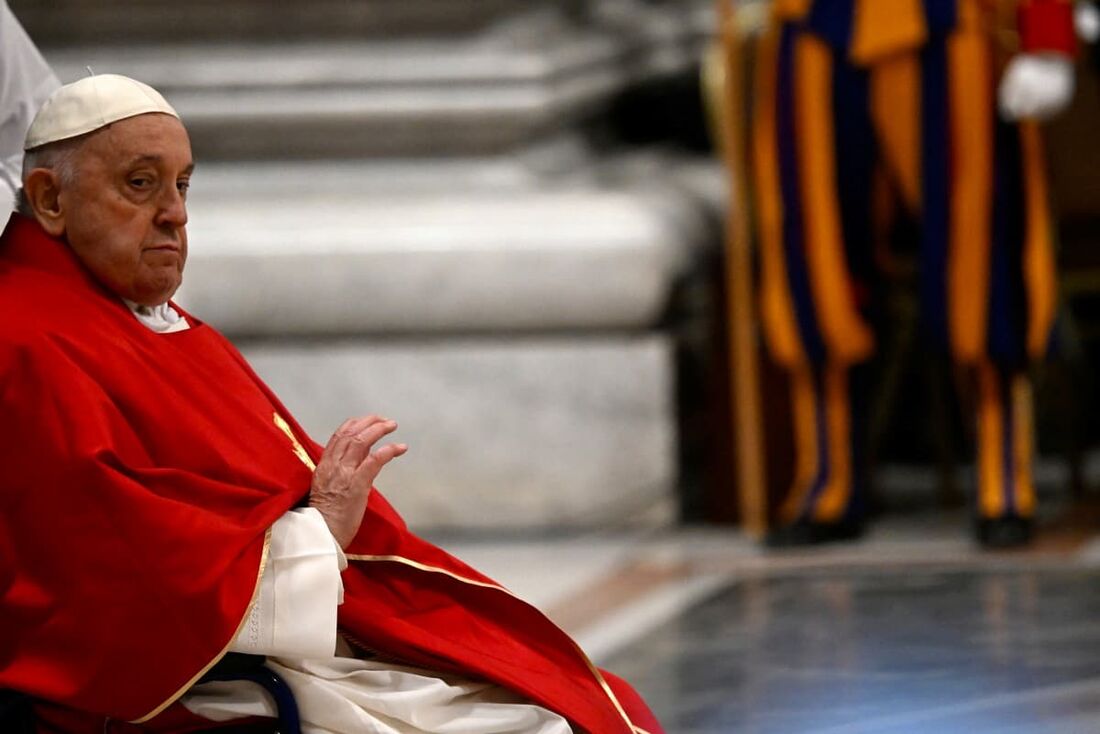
161	507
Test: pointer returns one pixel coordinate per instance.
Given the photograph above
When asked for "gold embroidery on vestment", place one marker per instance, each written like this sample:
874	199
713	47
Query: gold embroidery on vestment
247	612
299	451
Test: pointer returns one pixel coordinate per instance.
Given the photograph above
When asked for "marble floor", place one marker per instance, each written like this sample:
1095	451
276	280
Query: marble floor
912	629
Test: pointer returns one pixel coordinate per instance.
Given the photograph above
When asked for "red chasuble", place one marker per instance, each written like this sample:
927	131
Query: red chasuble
139	475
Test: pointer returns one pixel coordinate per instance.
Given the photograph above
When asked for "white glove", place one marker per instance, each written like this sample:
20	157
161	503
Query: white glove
1086	20
1036	85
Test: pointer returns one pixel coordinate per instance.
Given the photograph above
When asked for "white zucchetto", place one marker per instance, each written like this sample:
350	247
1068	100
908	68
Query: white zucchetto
91	103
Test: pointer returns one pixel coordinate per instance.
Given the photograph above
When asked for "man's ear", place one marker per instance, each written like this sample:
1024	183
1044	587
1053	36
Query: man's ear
42	188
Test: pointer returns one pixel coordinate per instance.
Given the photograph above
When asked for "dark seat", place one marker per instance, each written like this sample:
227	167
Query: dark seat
238	666
17	714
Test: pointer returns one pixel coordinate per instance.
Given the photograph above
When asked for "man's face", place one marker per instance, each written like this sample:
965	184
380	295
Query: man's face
125	213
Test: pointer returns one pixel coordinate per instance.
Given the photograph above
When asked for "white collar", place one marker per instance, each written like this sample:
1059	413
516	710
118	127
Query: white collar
162	319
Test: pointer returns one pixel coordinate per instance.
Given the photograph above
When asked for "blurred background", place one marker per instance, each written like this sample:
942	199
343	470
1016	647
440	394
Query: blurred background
505	224
502	223
495	220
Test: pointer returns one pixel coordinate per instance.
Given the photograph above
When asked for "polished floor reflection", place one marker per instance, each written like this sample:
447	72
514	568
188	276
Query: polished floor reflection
886	650
913	629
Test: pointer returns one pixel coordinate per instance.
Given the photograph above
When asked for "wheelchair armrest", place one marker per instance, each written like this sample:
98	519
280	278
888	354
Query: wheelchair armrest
239	666
17	713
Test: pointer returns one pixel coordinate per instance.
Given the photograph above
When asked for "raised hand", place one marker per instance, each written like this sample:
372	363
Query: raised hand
346	472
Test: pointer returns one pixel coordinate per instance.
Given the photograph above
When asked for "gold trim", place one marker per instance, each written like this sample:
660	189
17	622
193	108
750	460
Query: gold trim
434	569
220	655
299	451
424	567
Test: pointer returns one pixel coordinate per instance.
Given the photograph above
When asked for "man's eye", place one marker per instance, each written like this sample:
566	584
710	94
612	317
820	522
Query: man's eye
141	182
183	186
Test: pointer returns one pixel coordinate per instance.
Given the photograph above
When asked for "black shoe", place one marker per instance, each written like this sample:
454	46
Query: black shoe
1010	531
805	532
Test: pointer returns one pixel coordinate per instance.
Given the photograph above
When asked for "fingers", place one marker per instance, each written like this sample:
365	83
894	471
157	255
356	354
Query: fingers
370	468
353	440
349	428
359	446
345	474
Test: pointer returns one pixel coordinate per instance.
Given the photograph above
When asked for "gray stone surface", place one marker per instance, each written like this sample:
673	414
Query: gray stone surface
533	70
398	209
524	76
339	256
377	98
350	285
506	433
64	22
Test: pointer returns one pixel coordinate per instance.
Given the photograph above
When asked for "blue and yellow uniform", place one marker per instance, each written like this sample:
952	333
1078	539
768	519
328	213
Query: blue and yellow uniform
866	104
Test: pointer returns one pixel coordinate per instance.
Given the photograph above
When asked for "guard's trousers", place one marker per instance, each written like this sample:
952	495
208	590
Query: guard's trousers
843	151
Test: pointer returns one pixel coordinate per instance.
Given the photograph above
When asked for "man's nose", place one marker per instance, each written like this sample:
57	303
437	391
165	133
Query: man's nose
172	208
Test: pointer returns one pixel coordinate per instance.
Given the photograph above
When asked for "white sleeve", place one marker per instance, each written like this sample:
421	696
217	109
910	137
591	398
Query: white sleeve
7	192
26	80
295	611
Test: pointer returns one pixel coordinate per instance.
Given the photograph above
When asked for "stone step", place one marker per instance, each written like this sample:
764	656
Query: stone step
60	23
369	99
461	262
283	250
545	432
67	22
496	90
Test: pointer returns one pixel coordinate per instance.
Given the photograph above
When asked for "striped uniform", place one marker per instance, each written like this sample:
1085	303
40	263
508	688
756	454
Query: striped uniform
864	107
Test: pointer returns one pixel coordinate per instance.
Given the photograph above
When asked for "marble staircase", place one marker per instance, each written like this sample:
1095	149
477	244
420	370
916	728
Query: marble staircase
122	22
399	208
495	85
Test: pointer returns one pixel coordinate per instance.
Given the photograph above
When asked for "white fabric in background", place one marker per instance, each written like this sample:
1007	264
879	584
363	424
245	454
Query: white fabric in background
25	82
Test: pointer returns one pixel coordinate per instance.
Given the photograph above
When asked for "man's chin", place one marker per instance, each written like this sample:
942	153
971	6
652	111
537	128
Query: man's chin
155	295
